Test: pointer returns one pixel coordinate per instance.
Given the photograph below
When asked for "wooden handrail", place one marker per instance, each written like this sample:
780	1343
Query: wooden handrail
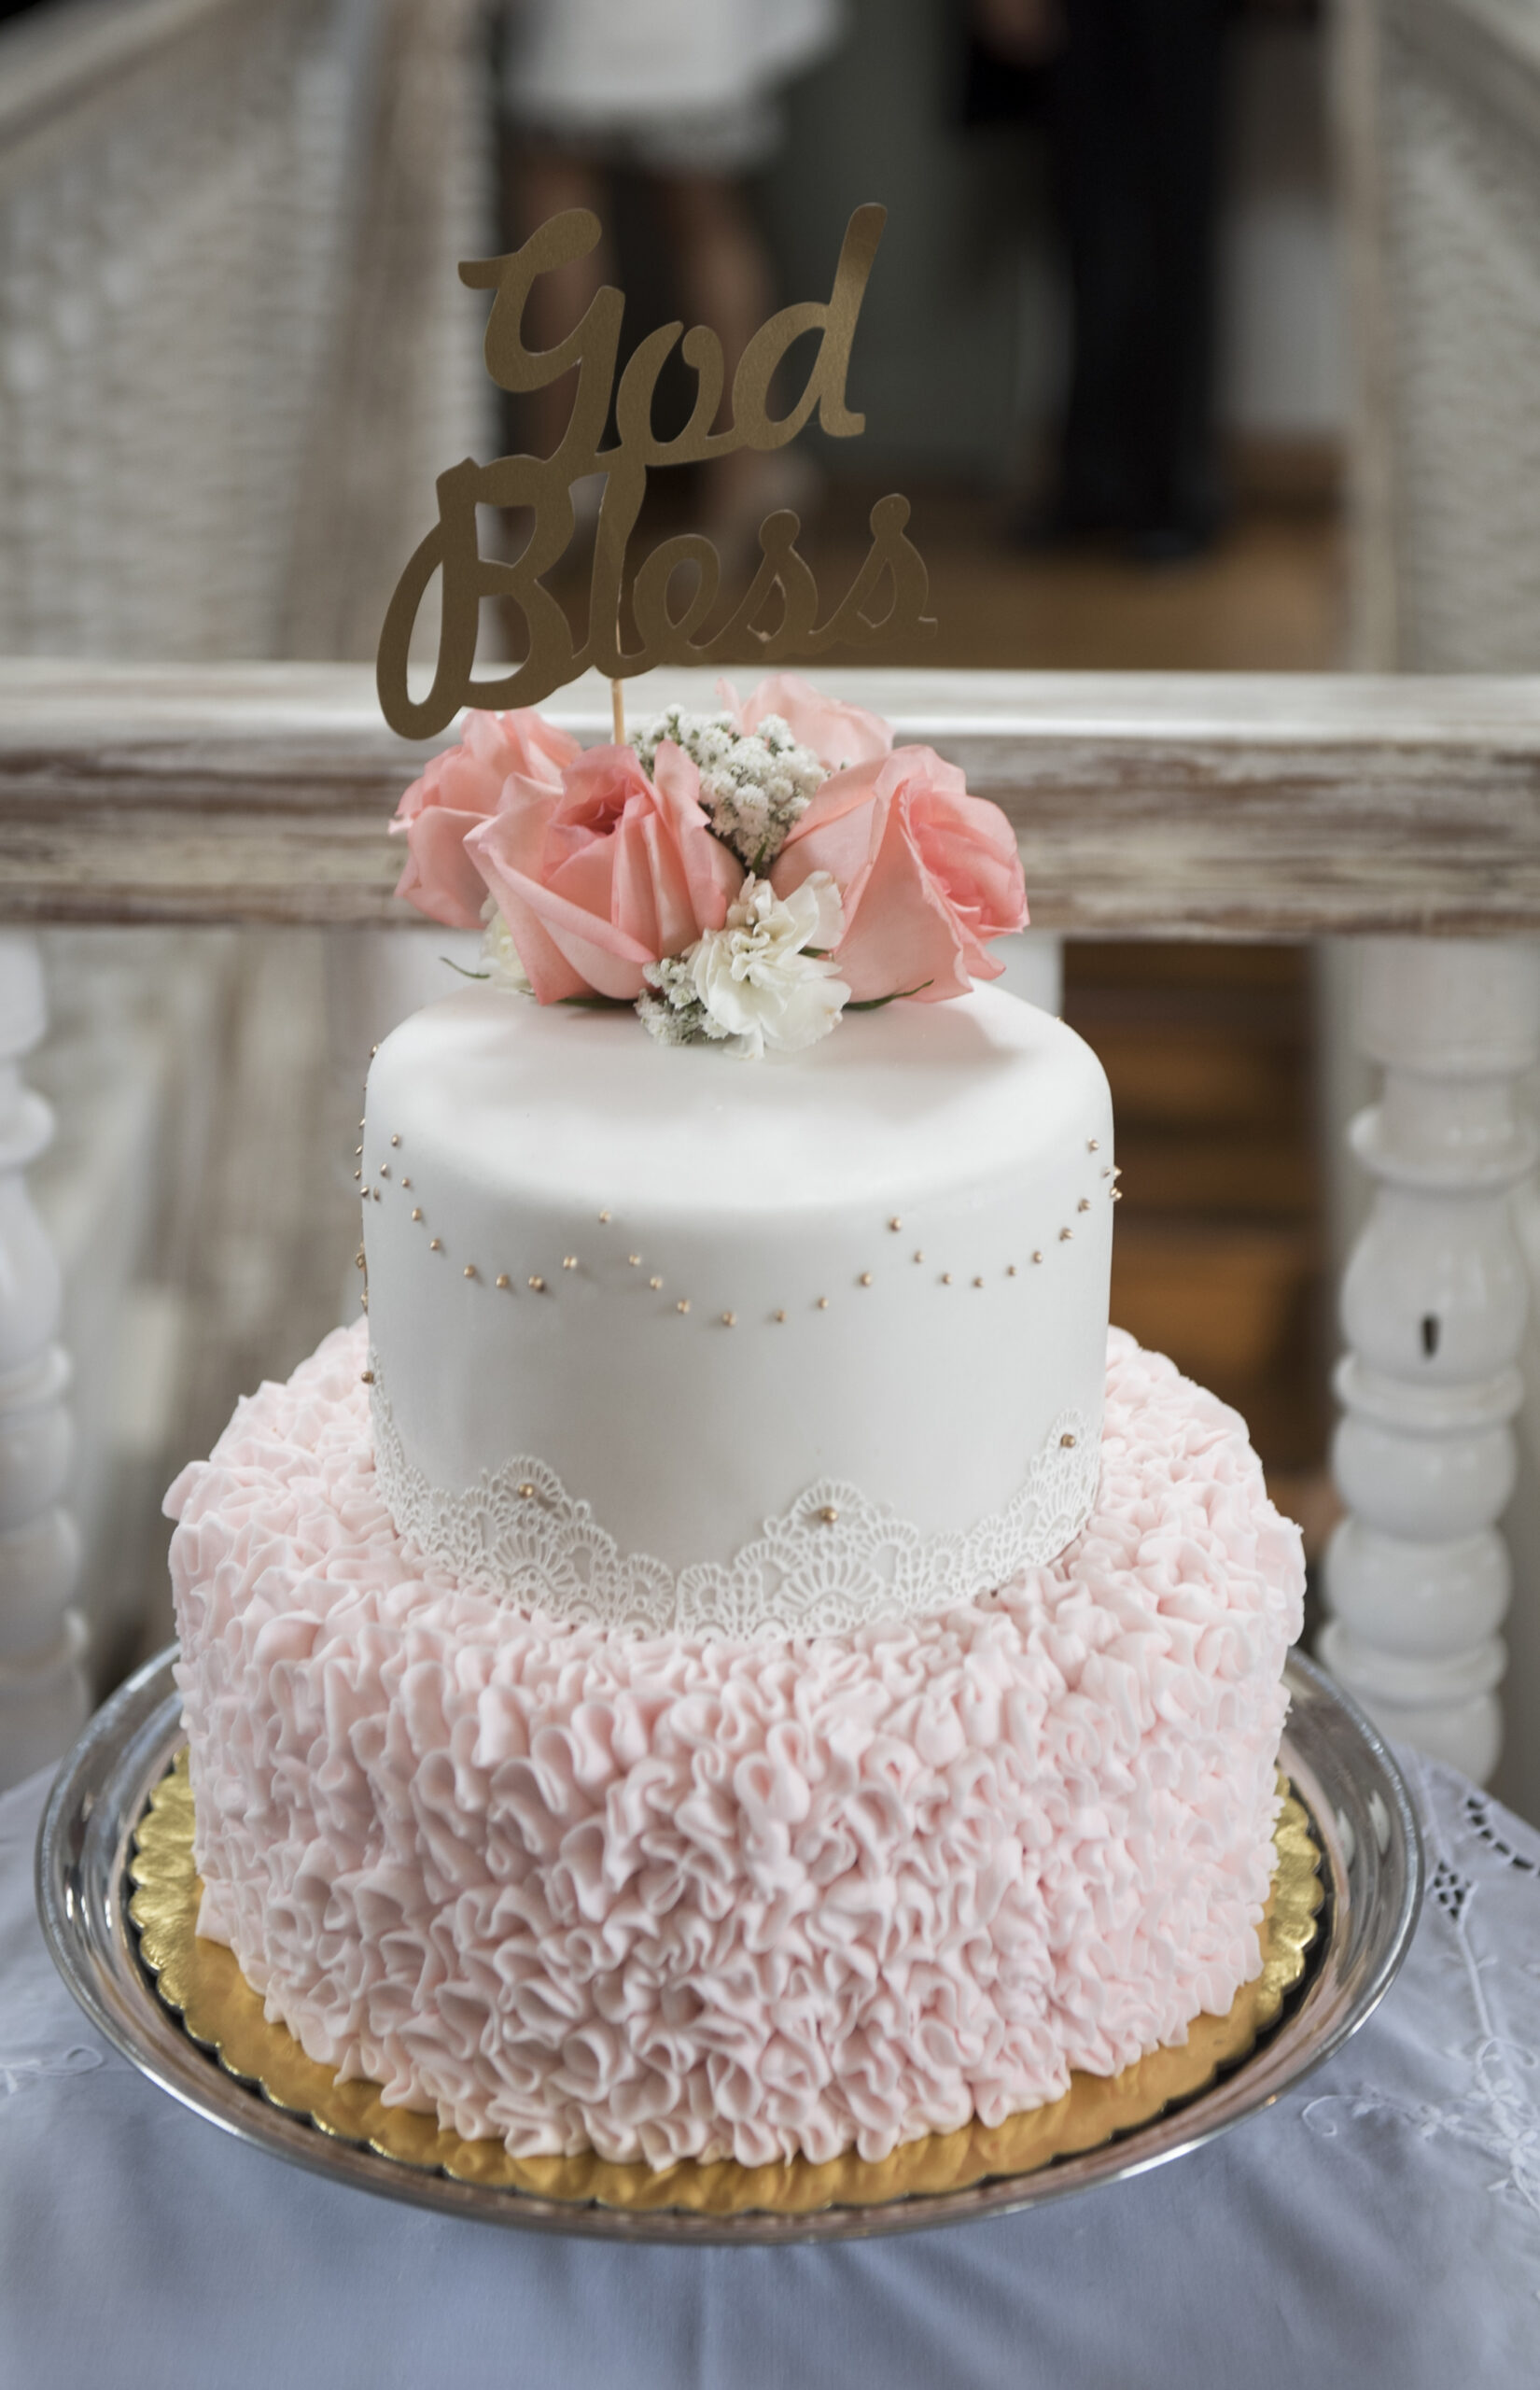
1169	804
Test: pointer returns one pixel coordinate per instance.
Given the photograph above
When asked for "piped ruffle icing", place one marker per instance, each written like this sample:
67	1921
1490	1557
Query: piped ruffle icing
679	1897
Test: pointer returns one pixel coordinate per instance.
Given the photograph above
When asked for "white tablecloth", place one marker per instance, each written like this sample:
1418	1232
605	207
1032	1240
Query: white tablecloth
1381	2224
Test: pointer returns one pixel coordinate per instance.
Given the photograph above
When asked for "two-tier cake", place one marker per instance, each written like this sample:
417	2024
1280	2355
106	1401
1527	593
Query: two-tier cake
731	1657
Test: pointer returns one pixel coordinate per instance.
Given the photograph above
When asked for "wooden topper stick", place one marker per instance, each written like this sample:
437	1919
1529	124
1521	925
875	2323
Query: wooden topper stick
617	710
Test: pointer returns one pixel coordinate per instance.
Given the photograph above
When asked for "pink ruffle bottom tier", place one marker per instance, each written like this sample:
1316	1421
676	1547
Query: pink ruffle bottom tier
691	1898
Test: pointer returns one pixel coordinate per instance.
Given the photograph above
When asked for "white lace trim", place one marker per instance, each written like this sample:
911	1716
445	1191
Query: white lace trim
809	1573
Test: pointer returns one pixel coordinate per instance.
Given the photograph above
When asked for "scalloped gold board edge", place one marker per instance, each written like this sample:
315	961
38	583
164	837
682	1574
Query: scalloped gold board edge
200	1982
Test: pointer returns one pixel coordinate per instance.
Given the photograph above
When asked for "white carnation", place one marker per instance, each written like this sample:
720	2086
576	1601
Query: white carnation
502	957
756	981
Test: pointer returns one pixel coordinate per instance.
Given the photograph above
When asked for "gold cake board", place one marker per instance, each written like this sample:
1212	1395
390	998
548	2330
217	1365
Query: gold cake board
200	1982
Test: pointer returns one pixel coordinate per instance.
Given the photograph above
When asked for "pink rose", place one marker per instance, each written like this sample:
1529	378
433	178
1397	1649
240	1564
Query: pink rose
924	873
838	735
606	873
458	789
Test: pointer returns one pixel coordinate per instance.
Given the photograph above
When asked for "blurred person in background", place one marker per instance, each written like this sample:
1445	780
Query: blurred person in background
1130	92
685	93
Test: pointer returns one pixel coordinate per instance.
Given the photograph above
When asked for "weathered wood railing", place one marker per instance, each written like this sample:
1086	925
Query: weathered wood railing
1406	811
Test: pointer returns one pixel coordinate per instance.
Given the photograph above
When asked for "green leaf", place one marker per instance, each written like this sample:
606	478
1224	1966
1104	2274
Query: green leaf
874	1004
593	1002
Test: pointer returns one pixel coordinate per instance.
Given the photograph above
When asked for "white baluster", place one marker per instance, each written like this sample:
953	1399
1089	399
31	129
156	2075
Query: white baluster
1432	1309
43	1697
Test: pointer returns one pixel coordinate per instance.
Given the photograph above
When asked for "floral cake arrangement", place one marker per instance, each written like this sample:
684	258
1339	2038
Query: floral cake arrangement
742	878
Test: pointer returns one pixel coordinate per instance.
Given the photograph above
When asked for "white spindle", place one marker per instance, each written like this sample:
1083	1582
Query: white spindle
43	1697
1434	1301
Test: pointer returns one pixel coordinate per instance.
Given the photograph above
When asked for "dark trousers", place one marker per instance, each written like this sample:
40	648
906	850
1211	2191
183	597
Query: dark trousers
1135	117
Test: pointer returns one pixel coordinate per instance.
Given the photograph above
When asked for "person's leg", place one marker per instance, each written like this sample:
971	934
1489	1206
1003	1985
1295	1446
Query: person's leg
1098	204
725	281
1170	392
545	181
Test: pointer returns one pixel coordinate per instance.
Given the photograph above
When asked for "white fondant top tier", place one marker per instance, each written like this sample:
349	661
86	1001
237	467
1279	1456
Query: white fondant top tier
696	1294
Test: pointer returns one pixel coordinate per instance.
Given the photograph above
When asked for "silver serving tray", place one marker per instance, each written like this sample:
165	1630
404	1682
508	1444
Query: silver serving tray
1341	1770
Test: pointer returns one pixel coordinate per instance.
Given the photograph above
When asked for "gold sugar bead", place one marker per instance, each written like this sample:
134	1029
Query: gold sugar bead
866	1278
823	1303
1093	1145
366	1377
978	1282
569	1260
828	1515
1037	1256
503	1278
1084	1204
947	1277
469	1270
778	1317
527	1492
730	1320
416	1211
895	1222
435	1244
604	1219
395	1140
655	1284
1064	1235
537	1286
683	1303
1066	1442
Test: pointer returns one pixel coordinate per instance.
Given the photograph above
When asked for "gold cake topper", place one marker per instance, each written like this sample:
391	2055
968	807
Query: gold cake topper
676	587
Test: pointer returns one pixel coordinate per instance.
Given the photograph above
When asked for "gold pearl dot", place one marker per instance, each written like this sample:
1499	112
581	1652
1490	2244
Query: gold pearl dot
1066	1442
376	1194
828	1515
469	1270
947	1277
1009	1270
372	1051
823	1303
356	1152
569	1260
416	1211
503	1278
866	1278
1064	1235
1084	1204
895	1222
537	1286
395	1140
1037	1256
1093	1145
978	1282
635	1259
730	1320
920	1257
366	1377
358	1174
683	1303
364	1298
435	1244
359	1261
1105	1172
1117	1194
527	1492
604	1219
385	1169
406	1182
1117	1170
778	1317
654	1284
